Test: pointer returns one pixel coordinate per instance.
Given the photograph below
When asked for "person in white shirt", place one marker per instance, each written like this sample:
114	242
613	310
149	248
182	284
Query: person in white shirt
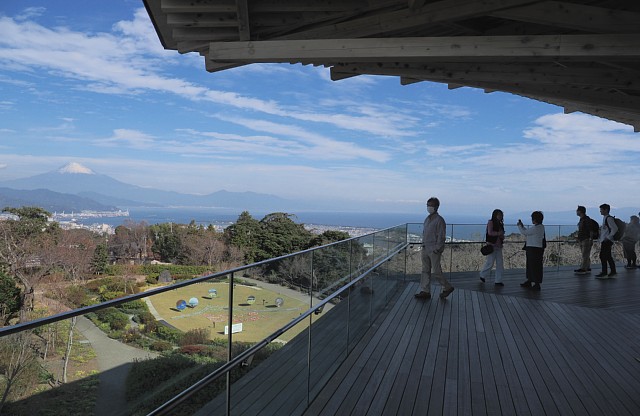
607	231
534	246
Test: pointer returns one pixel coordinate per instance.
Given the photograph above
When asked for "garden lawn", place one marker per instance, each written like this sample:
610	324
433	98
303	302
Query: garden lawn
259	319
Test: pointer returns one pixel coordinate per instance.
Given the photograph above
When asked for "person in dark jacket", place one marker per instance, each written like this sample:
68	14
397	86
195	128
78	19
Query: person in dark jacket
495	237
585	240
607	231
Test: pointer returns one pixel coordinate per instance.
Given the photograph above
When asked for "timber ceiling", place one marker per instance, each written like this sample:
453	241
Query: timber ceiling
580	55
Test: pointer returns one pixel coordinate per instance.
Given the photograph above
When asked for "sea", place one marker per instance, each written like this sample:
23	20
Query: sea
217	216
459	227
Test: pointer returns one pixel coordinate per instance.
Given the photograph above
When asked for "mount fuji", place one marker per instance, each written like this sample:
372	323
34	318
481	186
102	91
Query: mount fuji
79	180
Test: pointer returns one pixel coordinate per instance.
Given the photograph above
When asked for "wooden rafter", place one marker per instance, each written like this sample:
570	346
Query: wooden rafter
462	48
243	20
574	16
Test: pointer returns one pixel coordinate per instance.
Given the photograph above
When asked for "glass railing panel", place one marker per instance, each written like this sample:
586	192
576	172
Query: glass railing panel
397	236
332	269
360	305
281	370
361	254
268	297
53	367
170	338
332	266
381	286
185	330
127	358
329	343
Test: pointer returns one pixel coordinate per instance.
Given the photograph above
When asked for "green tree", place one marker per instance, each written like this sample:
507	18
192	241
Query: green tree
31	220
26	245
100	259
328	237
281	235
167	243
10	298
245	234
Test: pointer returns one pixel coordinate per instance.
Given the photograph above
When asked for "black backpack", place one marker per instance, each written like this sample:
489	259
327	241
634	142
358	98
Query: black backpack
621	226
594	228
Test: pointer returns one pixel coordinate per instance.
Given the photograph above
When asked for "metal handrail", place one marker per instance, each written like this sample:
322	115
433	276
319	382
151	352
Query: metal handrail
228	366
114	302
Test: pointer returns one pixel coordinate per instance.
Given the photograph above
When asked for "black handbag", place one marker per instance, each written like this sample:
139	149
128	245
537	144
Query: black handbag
486	249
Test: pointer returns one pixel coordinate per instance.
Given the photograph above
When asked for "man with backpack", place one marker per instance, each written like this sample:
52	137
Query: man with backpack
608	231
588	230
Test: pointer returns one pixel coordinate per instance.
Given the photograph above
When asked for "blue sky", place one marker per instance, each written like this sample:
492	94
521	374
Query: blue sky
89	82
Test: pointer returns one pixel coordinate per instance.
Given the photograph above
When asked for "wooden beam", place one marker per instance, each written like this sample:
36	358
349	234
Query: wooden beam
272	6
212	66
574	16
244	28
603	99
389	21
204	34
196	20
538	74
619	116
585	47
337	76
201	6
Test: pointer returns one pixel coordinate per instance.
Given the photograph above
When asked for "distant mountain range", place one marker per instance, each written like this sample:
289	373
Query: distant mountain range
76	187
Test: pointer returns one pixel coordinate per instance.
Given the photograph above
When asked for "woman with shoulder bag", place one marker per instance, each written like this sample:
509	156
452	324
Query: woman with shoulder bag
494	237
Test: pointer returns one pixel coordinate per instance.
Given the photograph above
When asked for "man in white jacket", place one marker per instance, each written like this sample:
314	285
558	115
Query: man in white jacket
607	230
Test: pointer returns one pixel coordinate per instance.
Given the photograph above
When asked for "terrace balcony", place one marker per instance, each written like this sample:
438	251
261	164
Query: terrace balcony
355	341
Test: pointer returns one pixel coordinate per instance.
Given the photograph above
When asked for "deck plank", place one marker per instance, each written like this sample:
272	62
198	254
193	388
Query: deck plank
571	349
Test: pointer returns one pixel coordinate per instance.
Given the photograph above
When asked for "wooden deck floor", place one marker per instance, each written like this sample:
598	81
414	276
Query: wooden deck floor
571	349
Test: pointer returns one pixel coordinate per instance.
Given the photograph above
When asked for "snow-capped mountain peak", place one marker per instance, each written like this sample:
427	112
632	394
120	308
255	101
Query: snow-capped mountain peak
74	167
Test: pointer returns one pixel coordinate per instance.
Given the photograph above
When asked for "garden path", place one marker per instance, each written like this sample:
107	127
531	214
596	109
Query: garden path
114	362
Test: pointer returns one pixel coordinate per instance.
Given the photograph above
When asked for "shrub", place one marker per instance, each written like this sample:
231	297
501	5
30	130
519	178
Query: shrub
161	346
131	335
107	295
77	296
145	376
195	336
168	334
193	349
134	307
112	316
147	320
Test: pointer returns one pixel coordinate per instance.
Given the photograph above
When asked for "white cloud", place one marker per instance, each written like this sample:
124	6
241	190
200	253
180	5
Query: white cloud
317	146
30	13
6	105
130	138
130	61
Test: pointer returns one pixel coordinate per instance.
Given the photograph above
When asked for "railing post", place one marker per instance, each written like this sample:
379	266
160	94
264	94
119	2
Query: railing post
559	250
406	254
309	332
230	342
386	291
450	253
349	303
